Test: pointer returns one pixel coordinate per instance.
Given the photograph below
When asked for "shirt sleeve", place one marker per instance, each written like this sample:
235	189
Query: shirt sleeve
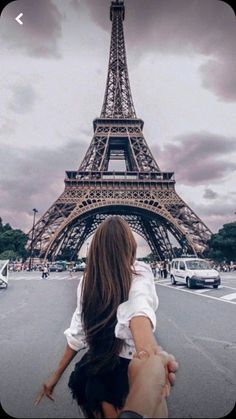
142	301
75	334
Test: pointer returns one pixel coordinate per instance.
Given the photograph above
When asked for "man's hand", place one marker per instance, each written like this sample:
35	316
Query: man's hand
150	376
169	363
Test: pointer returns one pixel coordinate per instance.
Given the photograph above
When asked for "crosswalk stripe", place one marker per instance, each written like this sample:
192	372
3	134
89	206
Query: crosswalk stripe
229	297
202	291
187	290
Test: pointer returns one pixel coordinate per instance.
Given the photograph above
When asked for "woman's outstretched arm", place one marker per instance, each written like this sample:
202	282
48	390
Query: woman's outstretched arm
144	339
49	385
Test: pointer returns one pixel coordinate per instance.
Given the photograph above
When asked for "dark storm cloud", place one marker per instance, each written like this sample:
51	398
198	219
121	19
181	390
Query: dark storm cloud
41	29
34	177
198	158
184	26
23	98
210	194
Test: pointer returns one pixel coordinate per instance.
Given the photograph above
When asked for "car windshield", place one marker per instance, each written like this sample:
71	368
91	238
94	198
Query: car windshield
197	264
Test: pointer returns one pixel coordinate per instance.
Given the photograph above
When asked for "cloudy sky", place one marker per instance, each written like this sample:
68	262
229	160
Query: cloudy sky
181	58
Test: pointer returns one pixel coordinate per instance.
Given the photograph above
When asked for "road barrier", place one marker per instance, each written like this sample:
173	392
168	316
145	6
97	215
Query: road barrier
4	273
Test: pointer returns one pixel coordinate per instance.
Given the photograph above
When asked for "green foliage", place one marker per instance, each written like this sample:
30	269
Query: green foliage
9	254
222	246
12	241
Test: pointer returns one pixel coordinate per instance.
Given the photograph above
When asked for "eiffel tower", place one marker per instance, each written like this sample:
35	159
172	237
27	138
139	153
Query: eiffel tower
141	193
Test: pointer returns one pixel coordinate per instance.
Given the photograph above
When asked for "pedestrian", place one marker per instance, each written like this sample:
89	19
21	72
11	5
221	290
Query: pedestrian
70	269
45	272
162	269
154	268
114	319
165	272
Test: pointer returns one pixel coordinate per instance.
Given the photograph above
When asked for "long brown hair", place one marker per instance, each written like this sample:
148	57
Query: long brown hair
106	284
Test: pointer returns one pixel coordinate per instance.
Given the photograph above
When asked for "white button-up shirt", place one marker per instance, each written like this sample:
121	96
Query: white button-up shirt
142	301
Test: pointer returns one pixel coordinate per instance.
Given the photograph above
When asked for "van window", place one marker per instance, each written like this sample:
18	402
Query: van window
176	264
182	266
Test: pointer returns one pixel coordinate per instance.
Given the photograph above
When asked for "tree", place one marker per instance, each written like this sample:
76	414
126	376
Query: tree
222	245
9	254
12	240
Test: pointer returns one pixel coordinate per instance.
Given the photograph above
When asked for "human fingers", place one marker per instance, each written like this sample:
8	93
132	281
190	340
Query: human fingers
143	355
169	361
165	357
171	378
39	398
173	361
50	397
173	366
166	390
48	392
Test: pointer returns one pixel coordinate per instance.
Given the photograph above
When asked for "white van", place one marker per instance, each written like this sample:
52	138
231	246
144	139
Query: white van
193	272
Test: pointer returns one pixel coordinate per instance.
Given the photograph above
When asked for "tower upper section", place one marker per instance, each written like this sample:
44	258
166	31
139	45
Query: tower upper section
118	102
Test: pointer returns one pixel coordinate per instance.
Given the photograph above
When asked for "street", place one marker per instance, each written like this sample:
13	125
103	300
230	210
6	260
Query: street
197	326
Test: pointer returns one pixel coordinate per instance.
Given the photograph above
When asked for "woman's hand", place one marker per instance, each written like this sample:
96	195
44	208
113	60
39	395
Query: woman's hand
47	388
171	366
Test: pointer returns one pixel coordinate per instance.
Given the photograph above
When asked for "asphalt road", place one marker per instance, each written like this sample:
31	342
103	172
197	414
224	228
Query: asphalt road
197	326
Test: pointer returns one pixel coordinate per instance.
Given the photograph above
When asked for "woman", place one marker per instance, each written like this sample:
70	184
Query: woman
115	317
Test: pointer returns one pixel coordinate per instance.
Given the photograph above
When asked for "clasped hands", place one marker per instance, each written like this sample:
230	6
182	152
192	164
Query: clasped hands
155	365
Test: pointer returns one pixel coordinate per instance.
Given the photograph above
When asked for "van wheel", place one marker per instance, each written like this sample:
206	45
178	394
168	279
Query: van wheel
215	286
189	283
173	281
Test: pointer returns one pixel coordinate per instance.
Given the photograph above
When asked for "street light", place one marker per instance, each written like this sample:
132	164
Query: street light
32	238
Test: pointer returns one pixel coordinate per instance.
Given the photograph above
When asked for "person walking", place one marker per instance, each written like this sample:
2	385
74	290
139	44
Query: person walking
45	272
114	319
70	269
165	271
154	268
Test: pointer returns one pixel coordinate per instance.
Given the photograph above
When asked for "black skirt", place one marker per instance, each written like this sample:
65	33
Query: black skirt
90	390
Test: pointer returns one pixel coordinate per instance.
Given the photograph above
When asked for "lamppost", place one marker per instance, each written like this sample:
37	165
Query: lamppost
32	239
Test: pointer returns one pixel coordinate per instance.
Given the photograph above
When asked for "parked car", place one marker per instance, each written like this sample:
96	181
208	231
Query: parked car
193	272
56	268
79	267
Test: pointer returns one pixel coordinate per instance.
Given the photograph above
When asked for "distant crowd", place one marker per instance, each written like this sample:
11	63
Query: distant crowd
160	268
40	267
225	267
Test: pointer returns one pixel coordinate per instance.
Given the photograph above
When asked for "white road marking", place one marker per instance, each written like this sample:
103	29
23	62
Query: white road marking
229	297
183	289
223	342
228	374
202	291
161	280
230	288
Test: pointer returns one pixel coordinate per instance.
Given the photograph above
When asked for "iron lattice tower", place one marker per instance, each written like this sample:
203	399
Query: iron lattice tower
141	193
